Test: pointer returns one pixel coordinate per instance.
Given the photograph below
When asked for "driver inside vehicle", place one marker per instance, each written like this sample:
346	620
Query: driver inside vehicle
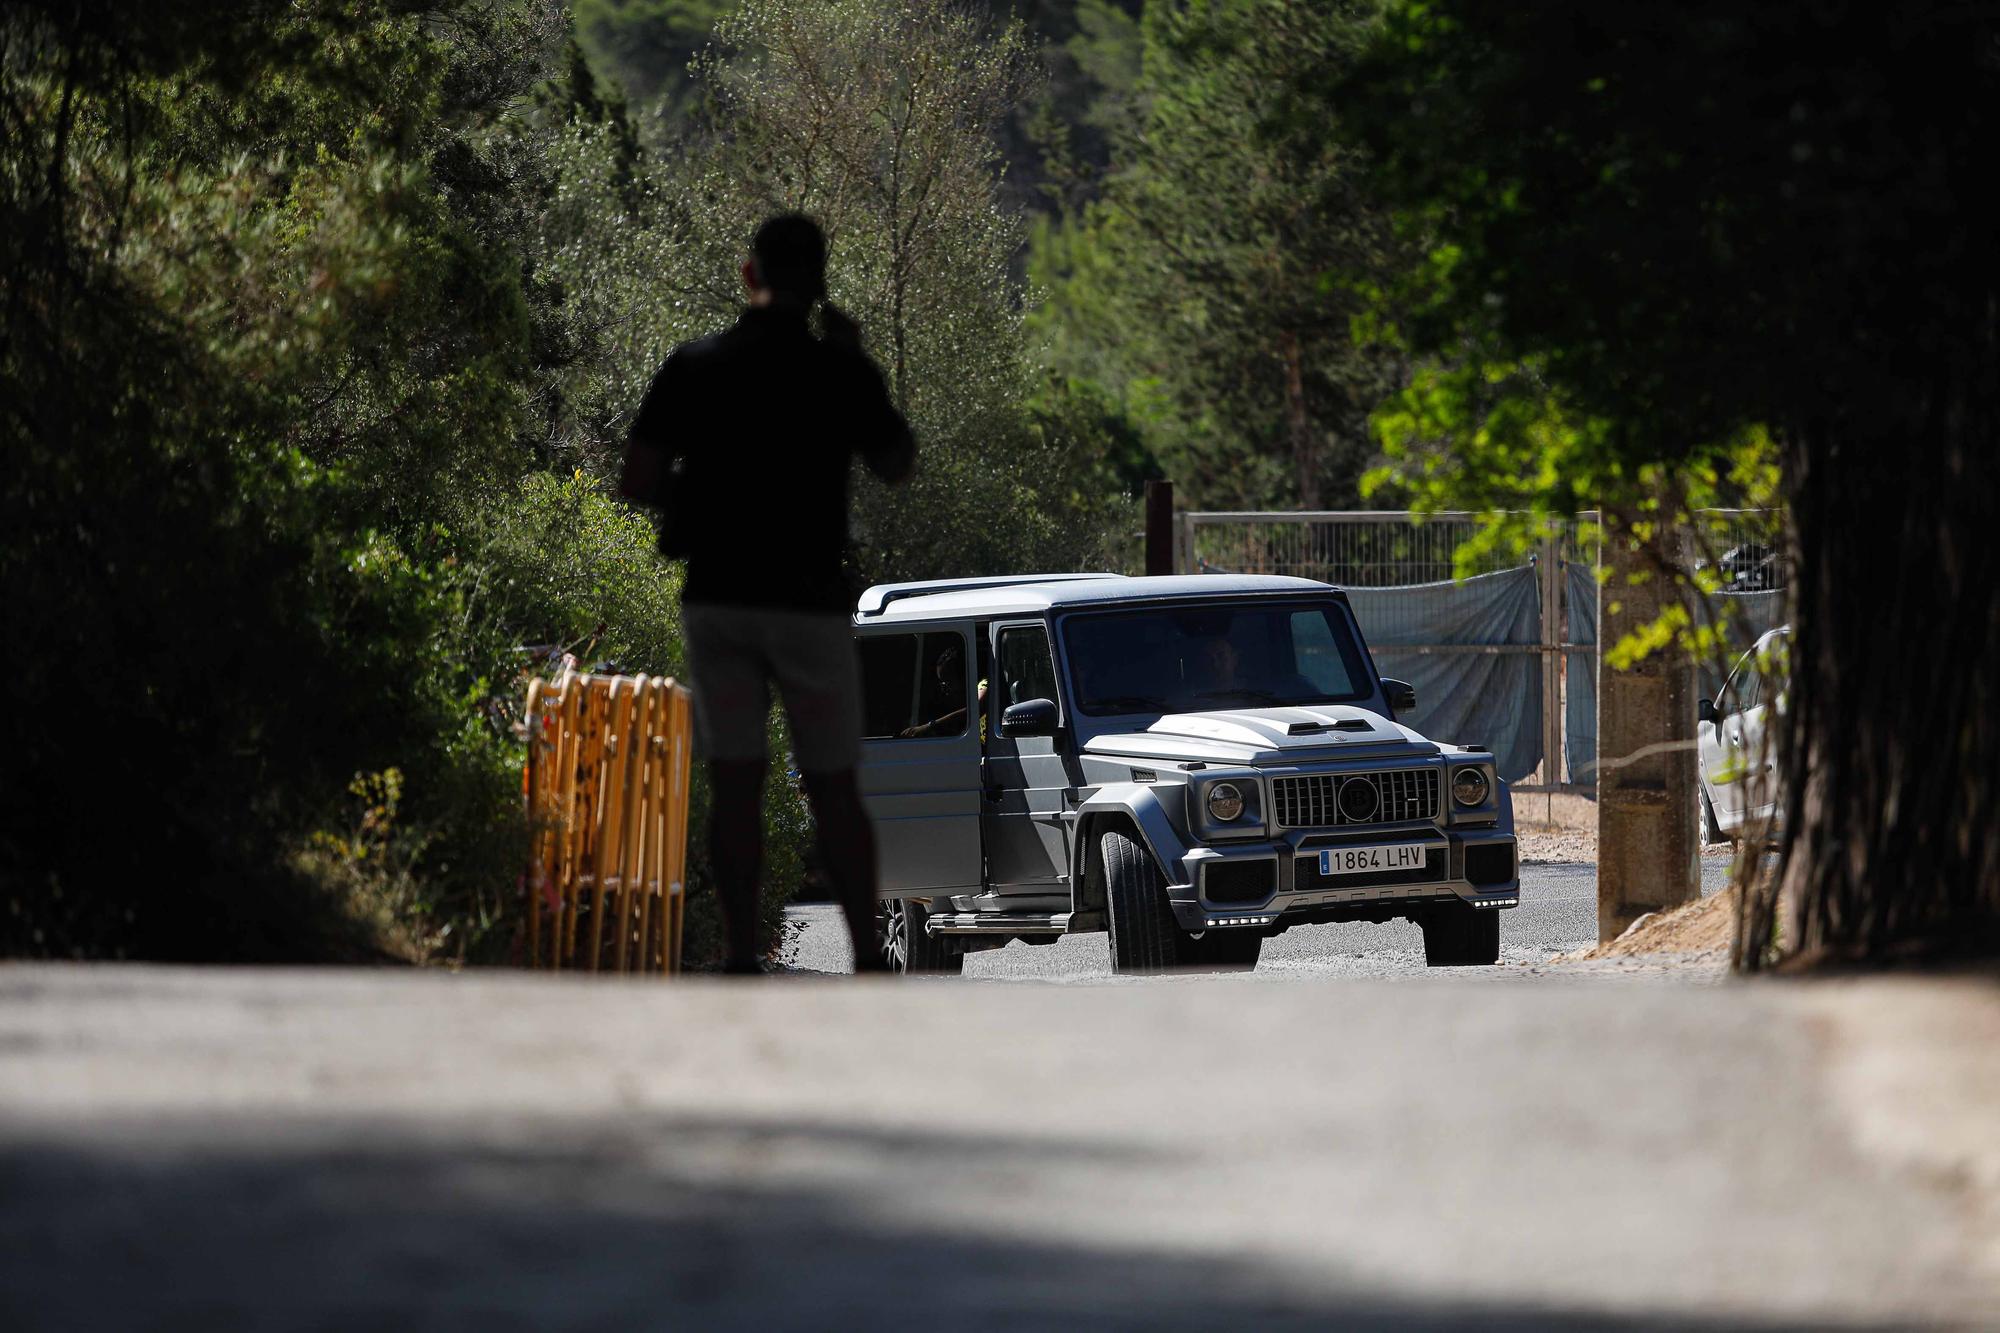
1214	667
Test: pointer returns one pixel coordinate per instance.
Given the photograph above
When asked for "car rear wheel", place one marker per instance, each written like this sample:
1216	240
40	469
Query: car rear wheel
1144	936
907	946
1456	935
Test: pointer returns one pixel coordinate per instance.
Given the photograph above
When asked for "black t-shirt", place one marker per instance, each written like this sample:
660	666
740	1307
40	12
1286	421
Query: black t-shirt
767	419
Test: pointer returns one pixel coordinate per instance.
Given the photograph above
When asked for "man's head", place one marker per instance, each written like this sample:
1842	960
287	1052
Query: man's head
950	669
787	260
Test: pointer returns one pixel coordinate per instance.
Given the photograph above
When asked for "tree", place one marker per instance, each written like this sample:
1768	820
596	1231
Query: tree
1655	236
877	118
1216	283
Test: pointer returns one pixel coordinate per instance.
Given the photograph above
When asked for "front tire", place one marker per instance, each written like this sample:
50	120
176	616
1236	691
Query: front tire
1457	935
906	946
1144	935
1711	832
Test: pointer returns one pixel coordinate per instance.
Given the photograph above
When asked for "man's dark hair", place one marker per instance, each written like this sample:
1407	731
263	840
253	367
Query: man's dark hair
790	251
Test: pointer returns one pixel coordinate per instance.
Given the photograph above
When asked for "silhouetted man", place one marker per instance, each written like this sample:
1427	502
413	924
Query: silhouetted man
744	442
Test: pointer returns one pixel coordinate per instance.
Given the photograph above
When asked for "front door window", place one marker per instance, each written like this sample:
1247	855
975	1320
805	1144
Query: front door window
1026	669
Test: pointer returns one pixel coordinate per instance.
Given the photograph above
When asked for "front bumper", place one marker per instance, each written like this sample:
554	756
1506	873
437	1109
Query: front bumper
1476	866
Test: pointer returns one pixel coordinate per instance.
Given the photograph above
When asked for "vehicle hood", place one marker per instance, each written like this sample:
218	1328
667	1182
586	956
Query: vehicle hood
1267	736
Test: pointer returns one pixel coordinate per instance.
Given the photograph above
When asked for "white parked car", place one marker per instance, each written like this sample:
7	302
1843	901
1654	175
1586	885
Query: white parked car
1738	746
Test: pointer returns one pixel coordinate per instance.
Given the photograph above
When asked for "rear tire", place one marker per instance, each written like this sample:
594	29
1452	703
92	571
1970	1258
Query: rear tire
1144	935
906	946
1460	936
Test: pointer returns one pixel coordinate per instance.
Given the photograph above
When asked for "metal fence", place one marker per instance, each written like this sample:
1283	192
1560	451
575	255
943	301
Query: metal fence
1360	549
1396	548
1542	668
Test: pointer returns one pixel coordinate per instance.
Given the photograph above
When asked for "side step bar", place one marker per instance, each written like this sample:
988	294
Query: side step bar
997	923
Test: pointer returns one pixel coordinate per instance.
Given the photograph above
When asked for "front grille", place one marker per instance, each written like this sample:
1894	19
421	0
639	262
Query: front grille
1326	800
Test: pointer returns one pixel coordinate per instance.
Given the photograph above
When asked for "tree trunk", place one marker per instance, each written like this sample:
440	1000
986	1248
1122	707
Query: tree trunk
1890	742
1298	426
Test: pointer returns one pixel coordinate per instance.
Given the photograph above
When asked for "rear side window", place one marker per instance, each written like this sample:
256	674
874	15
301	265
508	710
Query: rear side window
913	685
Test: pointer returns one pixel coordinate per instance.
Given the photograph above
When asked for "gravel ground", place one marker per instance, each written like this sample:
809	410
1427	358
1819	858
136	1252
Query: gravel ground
1558	914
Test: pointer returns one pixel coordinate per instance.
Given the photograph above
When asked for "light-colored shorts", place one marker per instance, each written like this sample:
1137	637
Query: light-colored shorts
736	653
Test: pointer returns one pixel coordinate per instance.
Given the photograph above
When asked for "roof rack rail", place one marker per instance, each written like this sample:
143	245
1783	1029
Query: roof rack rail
877	599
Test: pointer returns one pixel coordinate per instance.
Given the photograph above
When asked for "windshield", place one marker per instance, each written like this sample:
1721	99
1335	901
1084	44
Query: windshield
1195	658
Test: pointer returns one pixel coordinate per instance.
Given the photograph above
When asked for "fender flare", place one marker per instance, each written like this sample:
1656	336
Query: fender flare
1140	804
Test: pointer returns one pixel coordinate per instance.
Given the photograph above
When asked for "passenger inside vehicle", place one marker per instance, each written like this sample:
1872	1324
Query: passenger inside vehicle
947	677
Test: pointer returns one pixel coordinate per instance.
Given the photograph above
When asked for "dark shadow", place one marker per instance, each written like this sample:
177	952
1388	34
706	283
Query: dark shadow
643	1223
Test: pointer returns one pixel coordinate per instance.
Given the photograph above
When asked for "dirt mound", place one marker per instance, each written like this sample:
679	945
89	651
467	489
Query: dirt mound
1705	928
1540	847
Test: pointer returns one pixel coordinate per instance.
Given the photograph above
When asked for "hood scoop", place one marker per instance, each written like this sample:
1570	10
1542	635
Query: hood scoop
1316	728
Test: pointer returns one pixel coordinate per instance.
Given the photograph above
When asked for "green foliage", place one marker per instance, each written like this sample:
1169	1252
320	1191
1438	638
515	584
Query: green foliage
1532	396
1567	305
646	45
281	358
1642	230
1213	289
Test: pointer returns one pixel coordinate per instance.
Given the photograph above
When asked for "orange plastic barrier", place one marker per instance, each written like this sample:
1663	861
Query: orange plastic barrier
607	794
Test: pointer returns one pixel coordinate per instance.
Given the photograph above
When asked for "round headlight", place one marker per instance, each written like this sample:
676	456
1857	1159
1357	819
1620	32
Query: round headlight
1469	786
1225	802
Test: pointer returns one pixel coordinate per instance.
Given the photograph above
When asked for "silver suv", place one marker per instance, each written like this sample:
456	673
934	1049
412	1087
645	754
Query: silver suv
1192	764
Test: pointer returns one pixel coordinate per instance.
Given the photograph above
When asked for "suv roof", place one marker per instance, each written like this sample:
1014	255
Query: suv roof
1034	594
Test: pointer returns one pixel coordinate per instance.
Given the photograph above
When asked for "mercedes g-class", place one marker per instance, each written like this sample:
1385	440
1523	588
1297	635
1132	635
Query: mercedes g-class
1192	764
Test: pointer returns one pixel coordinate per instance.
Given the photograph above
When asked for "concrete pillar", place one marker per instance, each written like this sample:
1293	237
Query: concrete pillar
1648	845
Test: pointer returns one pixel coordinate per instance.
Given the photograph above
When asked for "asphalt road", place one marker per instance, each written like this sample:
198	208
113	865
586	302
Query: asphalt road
1558	914
333	1150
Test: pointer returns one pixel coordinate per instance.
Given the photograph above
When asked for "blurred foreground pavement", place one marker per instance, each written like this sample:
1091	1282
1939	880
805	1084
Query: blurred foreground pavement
345	1150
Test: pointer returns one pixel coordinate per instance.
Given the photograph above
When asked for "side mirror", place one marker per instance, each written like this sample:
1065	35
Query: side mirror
1705	712
1402	695
1030	717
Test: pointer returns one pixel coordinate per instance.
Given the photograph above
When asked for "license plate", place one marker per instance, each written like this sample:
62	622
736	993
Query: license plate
1365	860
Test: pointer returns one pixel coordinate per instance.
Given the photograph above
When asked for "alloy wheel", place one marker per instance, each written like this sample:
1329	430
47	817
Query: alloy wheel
896	936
